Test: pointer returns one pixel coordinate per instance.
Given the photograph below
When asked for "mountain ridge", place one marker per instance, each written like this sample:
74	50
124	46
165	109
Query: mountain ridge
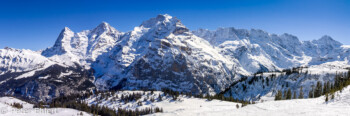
163	53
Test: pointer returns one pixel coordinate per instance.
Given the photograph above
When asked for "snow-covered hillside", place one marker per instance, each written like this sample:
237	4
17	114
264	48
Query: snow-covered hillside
195	106
299	107
183	105
47	83
264	86
7	110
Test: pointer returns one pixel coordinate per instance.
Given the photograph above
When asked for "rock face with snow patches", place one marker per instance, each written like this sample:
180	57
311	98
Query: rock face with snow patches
83	47
14	60
162	53
47	83
259	51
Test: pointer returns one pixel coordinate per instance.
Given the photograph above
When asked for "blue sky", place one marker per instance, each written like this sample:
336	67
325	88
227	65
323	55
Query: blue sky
36	24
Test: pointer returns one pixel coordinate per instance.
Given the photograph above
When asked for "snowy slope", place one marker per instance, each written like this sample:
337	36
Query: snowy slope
303	107
195	106
28	110
265	86
299	107
28	74
46	83
15	60
183	105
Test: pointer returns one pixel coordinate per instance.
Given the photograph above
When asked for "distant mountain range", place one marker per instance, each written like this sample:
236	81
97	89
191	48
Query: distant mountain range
160	53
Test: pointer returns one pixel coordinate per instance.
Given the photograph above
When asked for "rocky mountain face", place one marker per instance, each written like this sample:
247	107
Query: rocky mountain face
47	83
83	47
163	53
259	51
14	60
160	53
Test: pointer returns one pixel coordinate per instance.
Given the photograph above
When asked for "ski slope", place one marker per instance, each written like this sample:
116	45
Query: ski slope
28	110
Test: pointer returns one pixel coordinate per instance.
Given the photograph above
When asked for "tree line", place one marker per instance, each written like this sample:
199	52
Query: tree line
341	81
76	101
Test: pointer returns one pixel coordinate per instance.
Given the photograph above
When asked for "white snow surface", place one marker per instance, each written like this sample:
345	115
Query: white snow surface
28	110
202	107
182	106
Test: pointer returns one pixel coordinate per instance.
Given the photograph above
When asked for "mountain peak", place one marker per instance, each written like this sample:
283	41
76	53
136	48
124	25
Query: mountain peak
165	23
165	20
326	39
66	29
290	37
104	24
103	27
164	17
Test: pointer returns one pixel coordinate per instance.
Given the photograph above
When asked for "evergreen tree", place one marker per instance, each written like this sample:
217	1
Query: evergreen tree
289	94
295	95
301	93
324	91
160	97
267	81
311	93
208	97
326	98
328	87
318	90
278	96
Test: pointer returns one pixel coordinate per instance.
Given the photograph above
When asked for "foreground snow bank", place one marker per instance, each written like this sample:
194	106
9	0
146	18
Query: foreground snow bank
7	110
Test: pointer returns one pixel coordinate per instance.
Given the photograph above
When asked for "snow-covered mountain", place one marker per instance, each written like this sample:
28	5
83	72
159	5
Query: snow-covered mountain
48	82
83	47
163	53
59	70
15	60
259	51
160	53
